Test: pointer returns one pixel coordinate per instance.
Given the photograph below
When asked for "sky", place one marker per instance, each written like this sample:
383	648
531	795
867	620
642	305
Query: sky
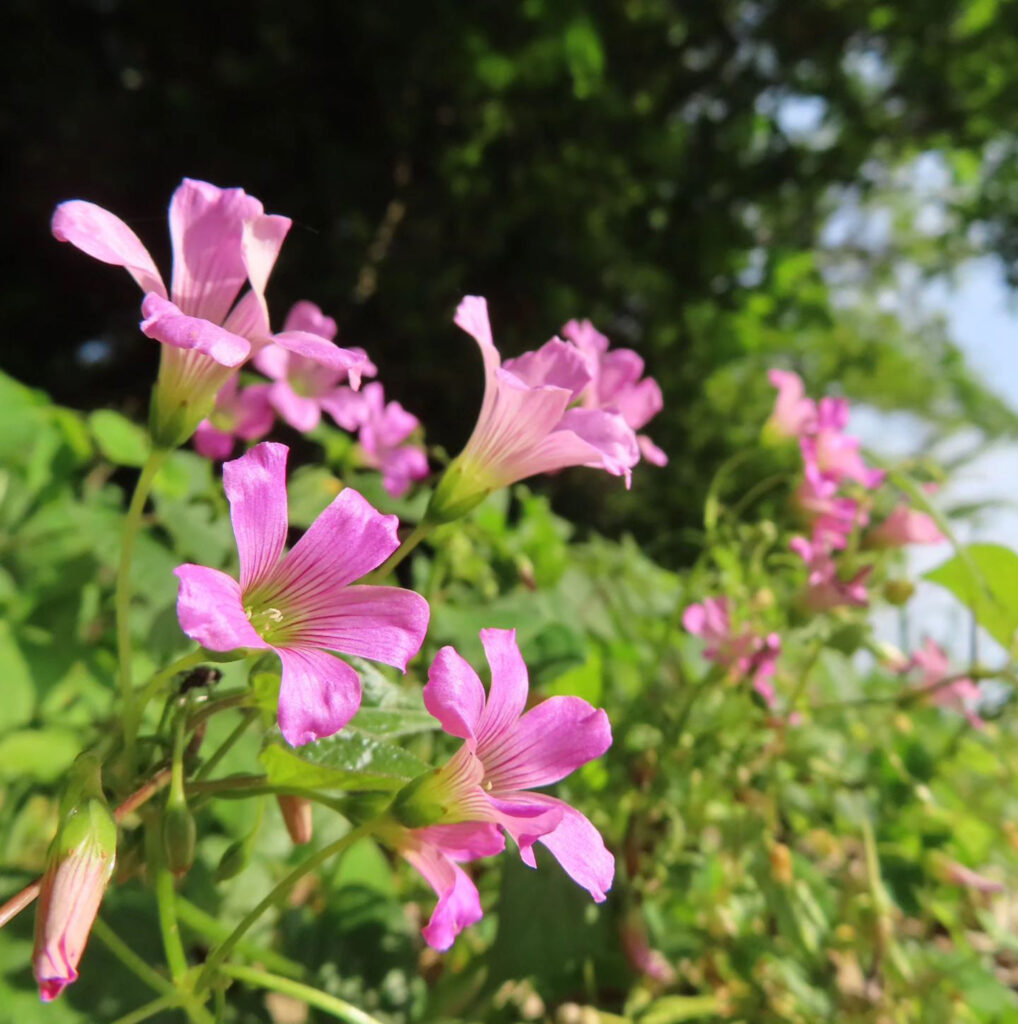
983	319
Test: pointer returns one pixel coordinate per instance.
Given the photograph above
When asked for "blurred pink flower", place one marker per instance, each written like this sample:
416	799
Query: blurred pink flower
958	874
794	414
437	852
956	694
831	517
307	367
300	604
526	424
243	414
616	383
825	589
834	453
744	653
904	526
383	431
507	753
642	958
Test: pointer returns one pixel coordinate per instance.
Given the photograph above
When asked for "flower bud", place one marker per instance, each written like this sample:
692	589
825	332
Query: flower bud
78	867
234	859
296	812
179	836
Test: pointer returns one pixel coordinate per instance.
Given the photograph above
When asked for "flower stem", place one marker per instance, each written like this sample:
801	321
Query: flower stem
165	901
194	918
420	532
122	594
312	996
148	1010
247	717
218	954
18	902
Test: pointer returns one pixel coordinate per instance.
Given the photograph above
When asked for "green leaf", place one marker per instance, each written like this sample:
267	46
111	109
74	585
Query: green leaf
18	685
121	441
984	577
348	761
392	722
40	754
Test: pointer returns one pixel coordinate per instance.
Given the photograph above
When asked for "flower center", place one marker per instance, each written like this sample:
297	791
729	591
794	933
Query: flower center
267	622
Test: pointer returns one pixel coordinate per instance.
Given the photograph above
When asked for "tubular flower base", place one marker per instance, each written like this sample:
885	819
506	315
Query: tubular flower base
526	425
301	604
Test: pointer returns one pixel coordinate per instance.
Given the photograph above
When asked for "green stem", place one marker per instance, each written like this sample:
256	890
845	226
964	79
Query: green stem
276	894
160	679
312	996
130	959
165	902
122	594
233	699
422	530
226	746
242	787
204	924
148	1010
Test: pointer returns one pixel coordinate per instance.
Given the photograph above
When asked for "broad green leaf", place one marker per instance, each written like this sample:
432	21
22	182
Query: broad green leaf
309	490
674	1009
984	577
42	754
348	761
392	721
18	685
121	441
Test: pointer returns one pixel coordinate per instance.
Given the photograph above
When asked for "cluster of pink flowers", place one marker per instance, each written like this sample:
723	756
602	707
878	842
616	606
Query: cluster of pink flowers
569	403
222	239
740	650
834	495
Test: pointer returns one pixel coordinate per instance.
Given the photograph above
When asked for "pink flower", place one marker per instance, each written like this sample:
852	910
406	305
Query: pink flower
300	604
307	367
835	453
905	526
794	414
832	518
616	384
825	588
78	867
526	425
505	756
961	695
384	428
958	874
437	852
244	414
745	654
222	239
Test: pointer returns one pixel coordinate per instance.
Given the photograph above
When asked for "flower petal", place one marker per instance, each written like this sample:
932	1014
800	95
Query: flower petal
301	413
255	486
325	353
459	904
349	539
555	363
254	413
466	840
454	694
105	237
250	320
318	694
210	610
166	323
211	442
579	848
546	744
507	695
384	624
306	316
207	228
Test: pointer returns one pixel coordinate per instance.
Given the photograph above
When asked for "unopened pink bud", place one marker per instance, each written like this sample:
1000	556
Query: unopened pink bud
80	863
297	817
